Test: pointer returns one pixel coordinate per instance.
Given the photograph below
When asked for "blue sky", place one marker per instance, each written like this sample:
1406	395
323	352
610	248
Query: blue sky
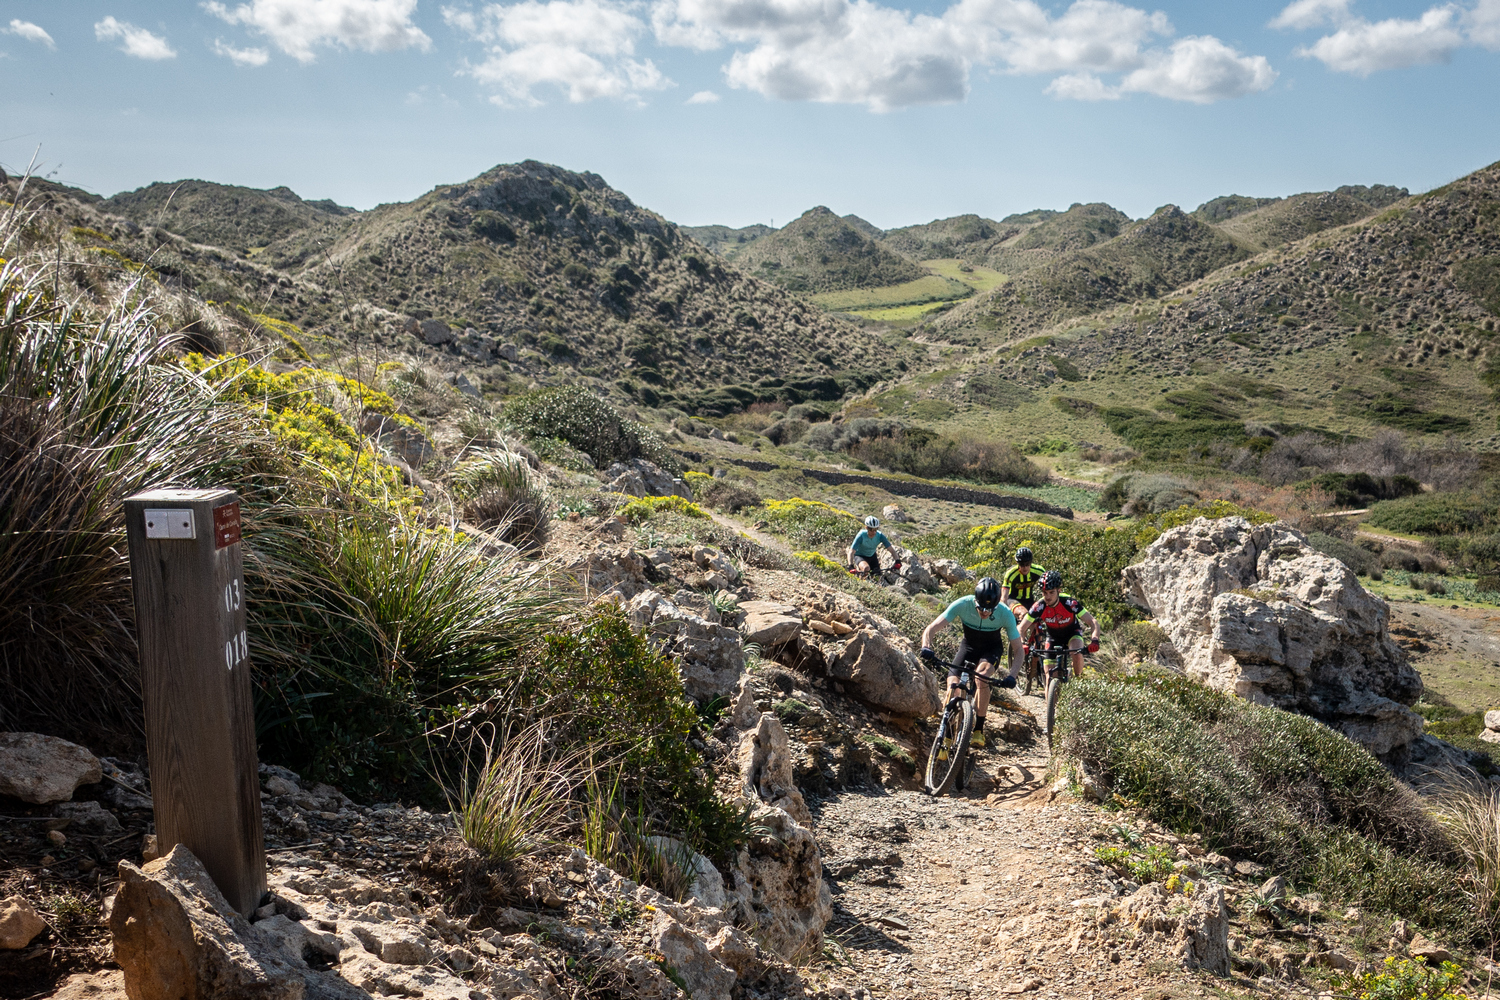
741	111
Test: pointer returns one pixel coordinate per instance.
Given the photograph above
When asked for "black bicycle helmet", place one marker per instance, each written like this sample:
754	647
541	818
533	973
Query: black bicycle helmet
1052	580
1023	556
987	593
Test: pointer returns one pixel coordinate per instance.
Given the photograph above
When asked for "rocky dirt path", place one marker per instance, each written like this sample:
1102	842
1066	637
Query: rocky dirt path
997	893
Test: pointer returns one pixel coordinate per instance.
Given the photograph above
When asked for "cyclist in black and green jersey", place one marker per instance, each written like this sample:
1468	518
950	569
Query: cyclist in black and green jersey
1018	586
987	627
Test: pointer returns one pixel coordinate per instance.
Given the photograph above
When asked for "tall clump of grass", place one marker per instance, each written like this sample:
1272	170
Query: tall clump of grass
396	625
496	491
619	837
1280	788
519	799
1470	812
89	414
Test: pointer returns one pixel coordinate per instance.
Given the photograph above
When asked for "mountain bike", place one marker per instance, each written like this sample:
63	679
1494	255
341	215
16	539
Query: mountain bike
1050	664
949	763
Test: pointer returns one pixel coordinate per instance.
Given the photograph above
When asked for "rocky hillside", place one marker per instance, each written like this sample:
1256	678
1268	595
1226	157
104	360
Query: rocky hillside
1147	259
236	218
725	241
821	252
527	273
1287	220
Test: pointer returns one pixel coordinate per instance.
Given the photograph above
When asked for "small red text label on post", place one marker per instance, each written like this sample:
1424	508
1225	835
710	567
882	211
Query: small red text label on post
226	525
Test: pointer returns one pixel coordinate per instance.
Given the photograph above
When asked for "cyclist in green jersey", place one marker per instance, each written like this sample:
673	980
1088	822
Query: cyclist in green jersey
1018	587
863	554
987	627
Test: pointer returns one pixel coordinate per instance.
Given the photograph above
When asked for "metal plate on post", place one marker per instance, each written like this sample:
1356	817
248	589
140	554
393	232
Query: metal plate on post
173	523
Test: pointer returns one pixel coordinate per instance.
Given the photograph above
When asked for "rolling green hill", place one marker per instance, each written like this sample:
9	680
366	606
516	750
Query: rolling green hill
821	252
236	218
1386	323
1287	220
1148	258
526	274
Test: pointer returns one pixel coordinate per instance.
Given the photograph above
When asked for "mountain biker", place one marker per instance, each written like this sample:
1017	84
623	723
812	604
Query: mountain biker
1063	617
986	626
863	553
1018	585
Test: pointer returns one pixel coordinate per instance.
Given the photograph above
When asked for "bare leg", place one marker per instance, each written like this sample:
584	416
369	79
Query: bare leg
1076	645
982	694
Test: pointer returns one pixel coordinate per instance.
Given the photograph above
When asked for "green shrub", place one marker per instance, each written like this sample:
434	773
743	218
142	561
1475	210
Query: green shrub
810	523
1089	558
725	494
1360	559
1403	979
1359	489
1142	639
603	690
821	561
575	414
1281	788
1435	513
1155	436
920	452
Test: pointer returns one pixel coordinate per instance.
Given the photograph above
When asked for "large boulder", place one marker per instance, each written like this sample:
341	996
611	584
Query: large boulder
1255	610
779	887
770	623
609	571
687	955
640	478
42	769
710	657
883	671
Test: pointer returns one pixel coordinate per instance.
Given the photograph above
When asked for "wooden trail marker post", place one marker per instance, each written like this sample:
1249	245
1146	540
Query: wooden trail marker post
186	568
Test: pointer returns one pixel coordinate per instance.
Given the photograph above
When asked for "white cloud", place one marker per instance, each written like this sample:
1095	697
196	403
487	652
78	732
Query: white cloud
241	57
703	97
299	27
1312	14
856	51
853	51
1082	87
30	32
1483	24
1201	70
137	42
584	47
1363	48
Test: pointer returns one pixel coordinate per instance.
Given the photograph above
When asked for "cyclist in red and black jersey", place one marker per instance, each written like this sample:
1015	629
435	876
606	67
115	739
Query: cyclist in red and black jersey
1063	617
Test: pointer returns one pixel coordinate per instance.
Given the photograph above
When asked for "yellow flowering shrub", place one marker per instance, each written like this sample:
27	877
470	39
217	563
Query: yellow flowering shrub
642	508
819	560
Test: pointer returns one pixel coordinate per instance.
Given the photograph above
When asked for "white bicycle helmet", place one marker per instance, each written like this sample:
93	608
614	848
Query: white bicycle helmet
872	522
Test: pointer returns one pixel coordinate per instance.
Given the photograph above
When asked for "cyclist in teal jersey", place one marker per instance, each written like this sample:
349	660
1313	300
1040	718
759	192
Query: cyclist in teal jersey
863	554
987	625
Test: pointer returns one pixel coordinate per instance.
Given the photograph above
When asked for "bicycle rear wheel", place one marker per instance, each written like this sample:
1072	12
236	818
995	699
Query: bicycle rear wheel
1054	688
954	730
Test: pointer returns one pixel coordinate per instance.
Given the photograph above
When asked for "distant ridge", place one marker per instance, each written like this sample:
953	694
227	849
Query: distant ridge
820	252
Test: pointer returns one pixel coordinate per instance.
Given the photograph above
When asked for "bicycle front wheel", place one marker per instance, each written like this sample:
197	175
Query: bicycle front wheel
1054	688
950	745
1030	672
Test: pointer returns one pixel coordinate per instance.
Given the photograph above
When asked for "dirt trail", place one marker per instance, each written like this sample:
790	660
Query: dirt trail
983	895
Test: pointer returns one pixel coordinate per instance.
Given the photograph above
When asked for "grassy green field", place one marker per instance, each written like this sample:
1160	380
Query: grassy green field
910	301
981	279
931	288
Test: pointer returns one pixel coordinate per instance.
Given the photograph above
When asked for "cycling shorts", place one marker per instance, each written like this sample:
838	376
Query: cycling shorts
1063	637
997	653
